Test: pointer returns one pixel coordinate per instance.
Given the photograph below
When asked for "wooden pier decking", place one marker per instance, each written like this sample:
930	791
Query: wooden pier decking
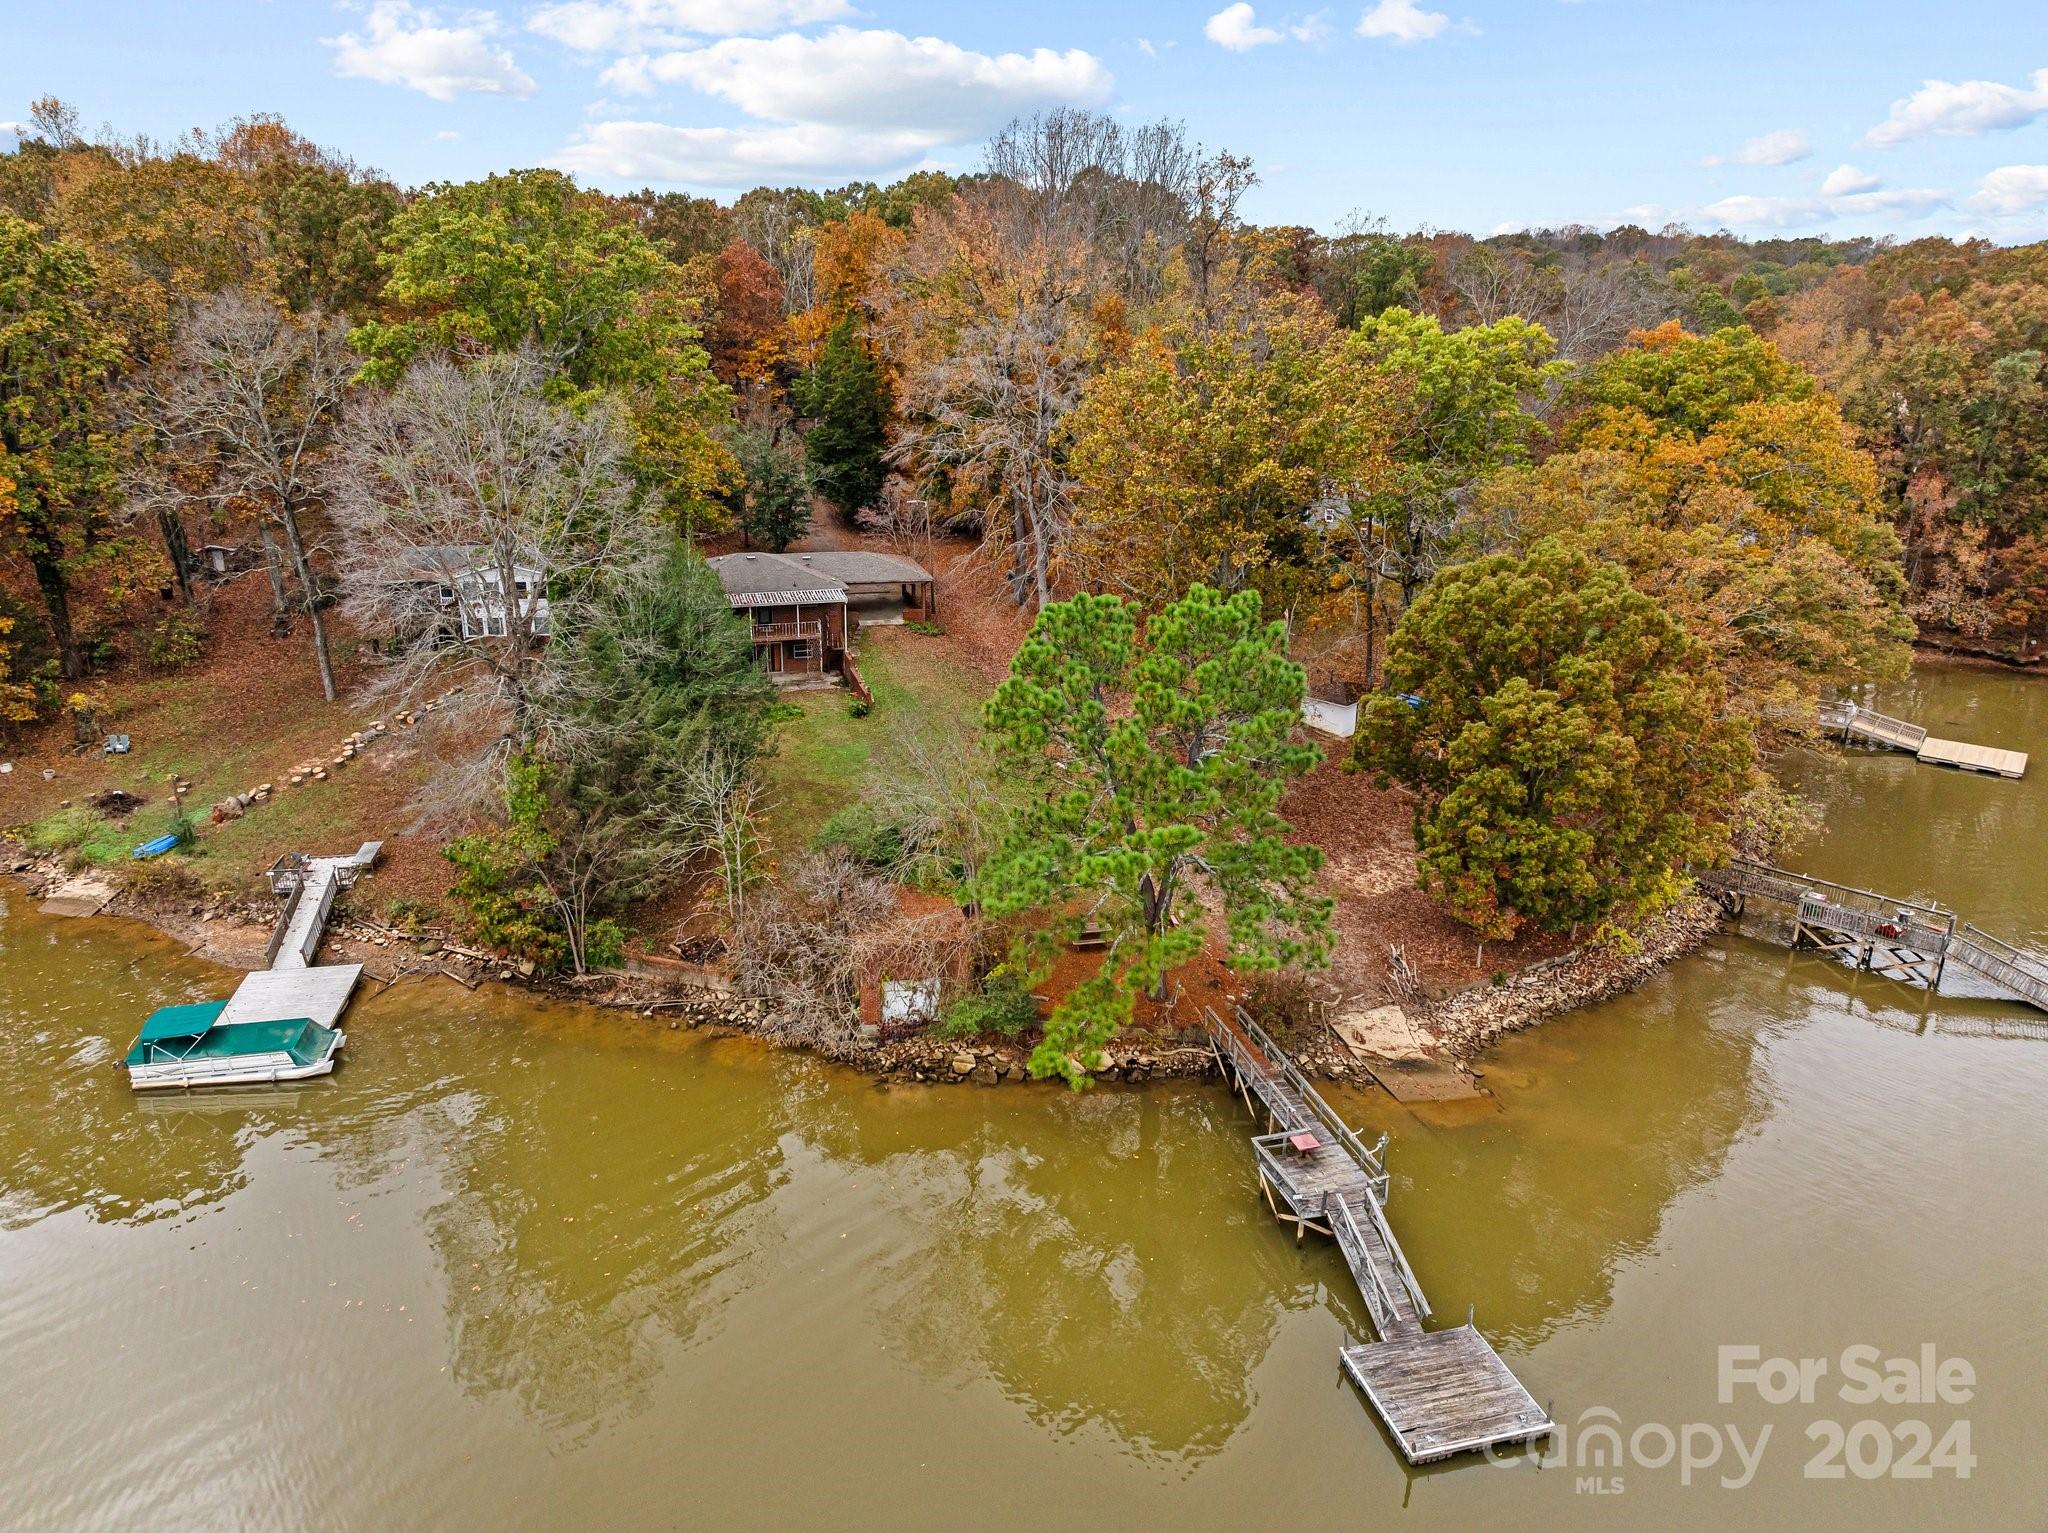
1439	1392
1903	939
1862	726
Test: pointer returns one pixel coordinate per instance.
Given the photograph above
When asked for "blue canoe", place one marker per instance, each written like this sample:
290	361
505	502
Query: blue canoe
155	848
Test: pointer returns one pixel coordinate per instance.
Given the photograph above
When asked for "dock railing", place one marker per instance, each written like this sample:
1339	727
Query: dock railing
1278	1059
1997	960
1351	1241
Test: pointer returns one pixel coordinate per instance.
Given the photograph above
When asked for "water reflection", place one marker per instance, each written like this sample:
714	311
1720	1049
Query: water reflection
67	1140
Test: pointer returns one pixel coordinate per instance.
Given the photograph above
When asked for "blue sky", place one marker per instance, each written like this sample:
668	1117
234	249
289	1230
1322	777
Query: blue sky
1794	116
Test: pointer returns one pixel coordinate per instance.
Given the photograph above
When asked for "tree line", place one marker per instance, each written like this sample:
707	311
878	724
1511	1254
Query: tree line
1588	519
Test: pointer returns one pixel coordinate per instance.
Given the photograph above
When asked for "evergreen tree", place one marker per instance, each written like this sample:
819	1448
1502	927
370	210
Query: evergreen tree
775	498
1567	740
1157	763
846	399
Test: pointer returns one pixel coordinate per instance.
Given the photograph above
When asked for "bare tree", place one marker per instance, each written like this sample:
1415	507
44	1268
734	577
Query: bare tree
257	394
799	945
474	516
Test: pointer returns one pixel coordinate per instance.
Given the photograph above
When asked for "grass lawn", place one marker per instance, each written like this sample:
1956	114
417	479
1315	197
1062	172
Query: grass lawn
827	759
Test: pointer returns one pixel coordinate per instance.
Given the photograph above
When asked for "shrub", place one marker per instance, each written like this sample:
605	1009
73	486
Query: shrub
411	915
865	834
175	643
1001	1008
604	944
859	708
1280	1000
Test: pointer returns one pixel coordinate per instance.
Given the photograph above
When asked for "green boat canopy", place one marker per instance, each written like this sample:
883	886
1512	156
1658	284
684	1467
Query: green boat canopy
181	1021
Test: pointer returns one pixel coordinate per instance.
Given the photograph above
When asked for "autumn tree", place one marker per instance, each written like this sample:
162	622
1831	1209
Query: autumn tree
1461	405
58	466
742	338
847	403
1153	764
525	260
1566	740
1724	478
1202	456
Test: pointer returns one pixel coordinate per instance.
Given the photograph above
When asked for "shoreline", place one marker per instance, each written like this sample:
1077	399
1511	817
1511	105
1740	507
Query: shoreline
233	933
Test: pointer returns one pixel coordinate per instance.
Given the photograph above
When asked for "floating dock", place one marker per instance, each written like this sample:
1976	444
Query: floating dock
1861	726
1439	1392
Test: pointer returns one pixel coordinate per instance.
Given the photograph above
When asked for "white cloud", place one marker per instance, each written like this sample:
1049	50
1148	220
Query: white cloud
1845	179
2013	189
1911	201
1234	28
1779	148
620	26
874	80
1964	110
15	129
447	136
843	103
809	152
1402	22
1866	201
401	44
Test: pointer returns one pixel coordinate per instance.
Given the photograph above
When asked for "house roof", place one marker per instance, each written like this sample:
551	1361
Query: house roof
758	579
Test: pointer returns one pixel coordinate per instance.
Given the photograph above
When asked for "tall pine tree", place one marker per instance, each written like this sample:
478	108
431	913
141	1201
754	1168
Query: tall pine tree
846	399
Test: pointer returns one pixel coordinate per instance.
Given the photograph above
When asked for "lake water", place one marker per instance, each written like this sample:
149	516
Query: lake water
514	1267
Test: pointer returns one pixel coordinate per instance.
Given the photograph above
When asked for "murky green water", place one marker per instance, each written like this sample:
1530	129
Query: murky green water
515	1268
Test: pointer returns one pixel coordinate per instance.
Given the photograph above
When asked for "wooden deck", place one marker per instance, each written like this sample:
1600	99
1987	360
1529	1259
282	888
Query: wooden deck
1445	1392
1439	1393
1974	758
1862	726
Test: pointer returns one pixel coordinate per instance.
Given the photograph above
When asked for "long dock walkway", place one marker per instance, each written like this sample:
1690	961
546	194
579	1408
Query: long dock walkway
1903	939
1439	1392
1862	726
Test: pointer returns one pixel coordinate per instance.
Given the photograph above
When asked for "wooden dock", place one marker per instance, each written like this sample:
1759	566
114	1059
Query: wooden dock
1902	939
1439	1392
1862	726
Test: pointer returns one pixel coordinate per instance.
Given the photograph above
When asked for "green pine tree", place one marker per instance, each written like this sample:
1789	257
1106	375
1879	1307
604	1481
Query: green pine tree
1157	762
846	399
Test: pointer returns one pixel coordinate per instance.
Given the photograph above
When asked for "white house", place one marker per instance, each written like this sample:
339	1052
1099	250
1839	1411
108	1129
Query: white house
468	591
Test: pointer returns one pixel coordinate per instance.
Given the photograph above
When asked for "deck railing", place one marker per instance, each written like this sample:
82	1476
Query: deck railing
771	632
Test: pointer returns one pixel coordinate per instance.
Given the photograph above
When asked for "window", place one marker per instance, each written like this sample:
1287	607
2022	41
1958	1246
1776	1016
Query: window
800	649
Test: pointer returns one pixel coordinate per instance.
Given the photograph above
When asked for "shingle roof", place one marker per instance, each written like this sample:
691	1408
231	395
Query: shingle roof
820	576
751	578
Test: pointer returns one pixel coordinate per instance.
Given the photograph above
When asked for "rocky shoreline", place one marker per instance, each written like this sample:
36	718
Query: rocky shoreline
233	933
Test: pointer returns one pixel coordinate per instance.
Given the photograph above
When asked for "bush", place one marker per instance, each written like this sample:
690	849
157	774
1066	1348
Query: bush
859	708
604	944
411	915
1001	1008
1280	1000
163	879
175	643
864	834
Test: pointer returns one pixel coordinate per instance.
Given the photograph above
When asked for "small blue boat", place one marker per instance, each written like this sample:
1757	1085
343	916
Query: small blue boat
155	848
